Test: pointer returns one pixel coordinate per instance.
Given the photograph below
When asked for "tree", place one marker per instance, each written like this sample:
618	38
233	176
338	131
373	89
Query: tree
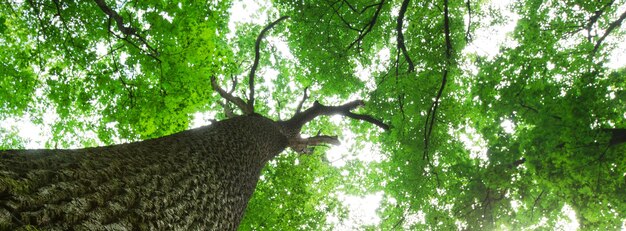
142	185
526	137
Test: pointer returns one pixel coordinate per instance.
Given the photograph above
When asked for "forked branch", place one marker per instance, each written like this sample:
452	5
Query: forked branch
246	108
230	98
292	127
300	119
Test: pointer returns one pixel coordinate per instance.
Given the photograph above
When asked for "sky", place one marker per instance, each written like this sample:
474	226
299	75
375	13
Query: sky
487	42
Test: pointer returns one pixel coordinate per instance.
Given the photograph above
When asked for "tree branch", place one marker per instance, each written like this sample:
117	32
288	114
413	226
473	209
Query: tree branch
257	54
432	112
126	30
369	119
343	19
368	27
228	111
230	98
401	45
468	35
350	6
612	26
301	145
593	19
304	98
295	123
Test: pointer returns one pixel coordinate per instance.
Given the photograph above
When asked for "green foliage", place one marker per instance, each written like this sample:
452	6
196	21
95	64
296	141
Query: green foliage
69	60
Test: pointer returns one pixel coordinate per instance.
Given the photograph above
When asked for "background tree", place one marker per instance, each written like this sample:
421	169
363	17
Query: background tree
517	139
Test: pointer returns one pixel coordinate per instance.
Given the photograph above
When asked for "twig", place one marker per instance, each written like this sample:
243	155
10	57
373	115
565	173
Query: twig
532	210
350	6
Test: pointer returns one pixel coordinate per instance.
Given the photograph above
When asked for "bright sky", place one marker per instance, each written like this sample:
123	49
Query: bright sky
362	208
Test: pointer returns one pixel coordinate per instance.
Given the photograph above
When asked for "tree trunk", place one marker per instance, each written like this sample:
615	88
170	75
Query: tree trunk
200	179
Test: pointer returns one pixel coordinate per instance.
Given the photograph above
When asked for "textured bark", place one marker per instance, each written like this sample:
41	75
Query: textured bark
199	179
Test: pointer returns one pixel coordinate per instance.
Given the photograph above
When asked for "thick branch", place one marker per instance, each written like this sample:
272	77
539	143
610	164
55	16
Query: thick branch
369	119
257	54
300	119
612	27
230	98
401	45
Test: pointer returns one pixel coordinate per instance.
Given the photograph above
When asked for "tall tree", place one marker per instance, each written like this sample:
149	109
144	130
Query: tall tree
197	179
527	136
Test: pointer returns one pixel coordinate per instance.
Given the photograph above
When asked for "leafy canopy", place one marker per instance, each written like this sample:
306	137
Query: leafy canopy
529	136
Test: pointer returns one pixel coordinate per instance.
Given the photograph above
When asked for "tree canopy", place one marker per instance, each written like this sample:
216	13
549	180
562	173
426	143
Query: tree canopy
530	135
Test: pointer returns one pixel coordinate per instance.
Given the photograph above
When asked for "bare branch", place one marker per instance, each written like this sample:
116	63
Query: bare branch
532	210
612	26
304	98
517	163
257	54
618	136
369	119
301	145
295	123
401	45
230	98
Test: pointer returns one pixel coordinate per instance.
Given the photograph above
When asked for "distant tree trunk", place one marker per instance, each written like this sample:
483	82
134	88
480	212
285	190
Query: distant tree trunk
199	179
